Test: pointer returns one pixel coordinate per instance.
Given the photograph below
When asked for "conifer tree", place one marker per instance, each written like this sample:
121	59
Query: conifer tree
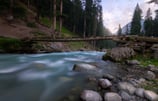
148	24
136	21
119	30
155	29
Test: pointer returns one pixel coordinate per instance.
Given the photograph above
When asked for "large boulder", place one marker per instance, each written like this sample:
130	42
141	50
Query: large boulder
151	95
89	95
112	97
119	54
83	67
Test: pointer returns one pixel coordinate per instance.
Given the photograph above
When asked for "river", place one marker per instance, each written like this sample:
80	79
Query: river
46	77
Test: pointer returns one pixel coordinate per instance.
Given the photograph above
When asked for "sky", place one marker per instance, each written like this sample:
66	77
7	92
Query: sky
117	12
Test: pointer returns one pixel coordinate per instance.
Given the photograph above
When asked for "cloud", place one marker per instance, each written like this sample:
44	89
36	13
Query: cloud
117	12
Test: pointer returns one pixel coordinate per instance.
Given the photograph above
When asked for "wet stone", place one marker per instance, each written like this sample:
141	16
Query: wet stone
104	83
89	95
108	76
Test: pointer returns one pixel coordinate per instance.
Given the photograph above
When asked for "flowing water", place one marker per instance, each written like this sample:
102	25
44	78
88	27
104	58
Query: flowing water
45	77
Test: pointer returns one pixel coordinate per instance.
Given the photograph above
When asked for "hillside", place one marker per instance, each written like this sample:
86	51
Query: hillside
25	29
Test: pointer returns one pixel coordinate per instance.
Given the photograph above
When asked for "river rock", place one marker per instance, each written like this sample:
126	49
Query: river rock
125	96
112	97
108	76
127	87
83	67
89	95
153	68
154	48
139	92
105	83
133	62
150	75
150	95
119	54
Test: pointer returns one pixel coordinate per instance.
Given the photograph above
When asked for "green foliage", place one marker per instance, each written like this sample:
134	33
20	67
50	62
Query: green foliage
19	11
136	21
146	60
155	29
151	85
10	44
148	25
38	33
31	24
46	21
4	5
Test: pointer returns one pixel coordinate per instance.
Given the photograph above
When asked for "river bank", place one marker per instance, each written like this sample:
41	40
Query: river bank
137	80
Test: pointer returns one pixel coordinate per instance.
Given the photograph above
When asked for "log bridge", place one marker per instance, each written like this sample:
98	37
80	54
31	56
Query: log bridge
119	39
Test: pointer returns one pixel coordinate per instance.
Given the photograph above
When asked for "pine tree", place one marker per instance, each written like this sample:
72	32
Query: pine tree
127	30
148	24
155	29
119	30
136	21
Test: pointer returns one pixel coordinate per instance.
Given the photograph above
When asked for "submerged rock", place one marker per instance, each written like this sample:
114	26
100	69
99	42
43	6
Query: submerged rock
119	54
83	67
108	76
150	95
89	95
112	97
127	87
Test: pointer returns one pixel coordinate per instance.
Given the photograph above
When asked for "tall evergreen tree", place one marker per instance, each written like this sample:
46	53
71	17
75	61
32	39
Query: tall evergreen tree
119	30
148	24
127	30
136	21
155	29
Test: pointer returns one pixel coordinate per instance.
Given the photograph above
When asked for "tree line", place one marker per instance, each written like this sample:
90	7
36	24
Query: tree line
79	16
142	27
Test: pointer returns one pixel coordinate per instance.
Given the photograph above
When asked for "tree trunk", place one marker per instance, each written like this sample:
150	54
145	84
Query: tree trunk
61	13
85	25
28	3
54	18
11	6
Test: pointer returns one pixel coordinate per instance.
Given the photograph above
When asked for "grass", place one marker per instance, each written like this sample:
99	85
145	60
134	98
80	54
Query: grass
38	33
45	21
31	25
146	60
10	44
151	85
